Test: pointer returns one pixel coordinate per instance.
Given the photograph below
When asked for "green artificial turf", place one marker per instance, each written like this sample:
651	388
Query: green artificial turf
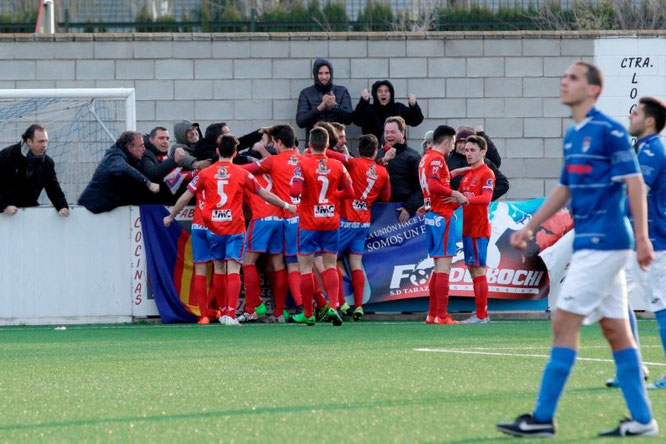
290	383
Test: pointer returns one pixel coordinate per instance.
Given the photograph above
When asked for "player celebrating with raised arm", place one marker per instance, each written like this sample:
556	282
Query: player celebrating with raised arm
221	188
441	236
371	183
477	186
600	169
321	183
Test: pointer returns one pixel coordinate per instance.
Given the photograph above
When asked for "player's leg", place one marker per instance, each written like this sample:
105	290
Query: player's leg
220	285
277	279
442	270
290	248
475	259
441	241
233	289
319	299
562	358
358	284
201	256
305	265
656	282
330	278
343	306
252	287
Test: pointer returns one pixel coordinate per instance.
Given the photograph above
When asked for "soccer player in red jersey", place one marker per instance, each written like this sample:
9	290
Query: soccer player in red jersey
371	183
477	186
441	236
321	183
221	188
281	168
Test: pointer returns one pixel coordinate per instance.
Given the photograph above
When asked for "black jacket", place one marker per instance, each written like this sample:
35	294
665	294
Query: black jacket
455	161
116	182
403	172
307	113
180	133
22	179
205	148
371	117
151	165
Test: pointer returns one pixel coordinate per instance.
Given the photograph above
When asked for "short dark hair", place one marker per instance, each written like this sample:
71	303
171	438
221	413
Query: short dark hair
30	132
479	141
153	132
402	126
227	145
332	133
318	139
126	138
655	108
443	132
367	145
338	126
593	74
283	133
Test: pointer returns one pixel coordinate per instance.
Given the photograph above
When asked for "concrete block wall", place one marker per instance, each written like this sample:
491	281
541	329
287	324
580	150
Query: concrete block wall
507	81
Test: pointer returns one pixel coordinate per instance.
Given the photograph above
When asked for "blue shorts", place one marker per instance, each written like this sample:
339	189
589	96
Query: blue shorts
352	237
291	237
227	246
200	247
441	235
265	235
310	242
475	250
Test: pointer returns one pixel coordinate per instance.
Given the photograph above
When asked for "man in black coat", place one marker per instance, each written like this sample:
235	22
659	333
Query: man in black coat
458	159
323	101
156	164
371	116
117	180
205	148
402	163
26	170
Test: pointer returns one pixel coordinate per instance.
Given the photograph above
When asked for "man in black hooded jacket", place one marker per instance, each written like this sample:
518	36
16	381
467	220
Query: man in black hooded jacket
371	116
323	101
205	147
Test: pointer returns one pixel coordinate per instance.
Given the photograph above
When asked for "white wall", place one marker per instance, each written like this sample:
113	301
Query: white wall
73	270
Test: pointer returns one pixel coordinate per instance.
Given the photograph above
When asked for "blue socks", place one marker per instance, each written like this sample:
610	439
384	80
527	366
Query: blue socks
552	384
661	320
630	377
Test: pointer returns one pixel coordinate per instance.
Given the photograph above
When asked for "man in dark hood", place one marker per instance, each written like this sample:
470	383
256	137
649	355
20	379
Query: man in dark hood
371	117
187	136
205	148
323	101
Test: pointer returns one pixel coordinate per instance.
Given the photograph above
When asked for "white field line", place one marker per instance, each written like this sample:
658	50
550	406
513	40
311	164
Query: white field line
549	347
518	355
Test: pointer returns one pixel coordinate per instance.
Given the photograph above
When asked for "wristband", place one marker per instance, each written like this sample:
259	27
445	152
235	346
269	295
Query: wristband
285	205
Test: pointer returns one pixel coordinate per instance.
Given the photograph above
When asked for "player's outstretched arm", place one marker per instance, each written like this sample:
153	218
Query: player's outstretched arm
274	200
180	204
638	205
557	199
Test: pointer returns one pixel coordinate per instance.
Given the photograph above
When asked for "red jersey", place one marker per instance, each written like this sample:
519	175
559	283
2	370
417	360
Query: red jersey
320	206
476	182
221	187
370	182
258	206
281	169
433	168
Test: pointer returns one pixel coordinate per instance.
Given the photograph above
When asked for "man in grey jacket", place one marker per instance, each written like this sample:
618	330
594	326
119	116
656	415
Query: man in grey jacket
187	135
323	101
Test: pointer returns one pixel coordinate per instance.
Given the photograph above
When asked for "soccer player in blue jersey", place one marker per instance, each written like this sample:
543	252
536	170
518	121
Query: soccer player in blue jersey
600	170
647	120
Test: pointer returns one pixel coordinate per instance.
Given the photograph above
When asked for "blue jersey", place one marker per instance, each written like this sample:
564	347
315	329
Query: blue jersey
597	158
652	159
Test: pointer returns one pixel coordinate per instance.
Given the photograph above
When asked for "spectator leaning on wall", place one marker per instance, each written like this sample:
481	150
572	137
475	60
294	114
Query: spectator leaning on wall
157	165
117	180
371	116
402	163
26	170
458	159
323	101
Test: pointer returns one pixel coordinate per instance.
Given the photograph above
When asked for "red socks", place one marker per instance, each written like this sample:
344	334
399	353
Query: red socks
442	294
307	290
358	284
278	281
481	296
341	289
294	280
220	286
318	295
330	278
199	290
233	290
432	300
252	288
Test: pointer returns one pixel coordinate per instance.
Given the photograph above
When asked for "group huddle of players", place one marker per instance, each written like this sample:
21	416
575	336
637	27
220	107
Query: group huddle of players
311	209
